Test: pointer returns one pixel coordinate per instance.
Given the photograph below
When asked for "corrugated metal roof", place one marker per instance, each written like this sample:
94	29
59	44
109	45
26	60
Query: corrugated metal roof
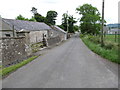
27	25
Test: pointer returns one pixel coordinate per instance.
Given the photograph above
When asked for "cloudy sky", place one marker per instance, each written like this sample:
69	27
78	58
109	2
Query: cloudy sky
12	8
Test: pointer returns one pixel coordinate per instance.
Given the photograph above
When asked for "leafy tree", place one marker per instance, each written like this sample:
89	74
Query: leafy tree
51	17
64	21
76	28
61	26
91	20
38	17
32	19
20	17
70	21
34	10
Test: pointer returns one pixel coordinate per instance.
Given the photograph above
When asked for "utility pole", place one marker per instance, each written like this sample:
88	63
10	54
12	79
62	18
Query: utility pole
67	23
102	42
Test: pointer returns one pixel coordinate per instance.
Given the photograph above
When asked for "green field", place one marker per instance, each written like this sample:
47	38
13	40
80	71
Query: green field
110	49
112	38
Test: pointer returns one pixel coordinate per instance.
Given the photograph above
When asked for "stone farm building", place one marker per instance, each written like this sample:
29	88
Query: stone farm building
17	36
34	31
62	33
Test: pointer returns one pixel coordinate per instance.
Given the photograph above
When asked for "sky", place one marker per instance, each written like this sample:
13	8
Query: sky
11	8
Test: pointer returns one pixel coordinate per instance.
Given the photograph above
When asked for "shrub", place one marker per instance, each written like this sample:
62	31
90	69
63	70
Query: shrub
81	35
108	45
94	39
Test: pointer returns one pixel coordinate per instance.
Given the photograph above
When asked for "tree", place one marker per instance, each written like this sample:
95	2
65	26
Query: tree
76	28
51	17
68	20
32	19
38	17
71	22
64	21
90	20
20	17
34	10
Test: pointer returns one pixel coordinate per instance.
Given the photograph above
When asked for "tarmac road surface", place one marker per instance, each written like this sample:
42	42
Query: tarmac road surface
69	65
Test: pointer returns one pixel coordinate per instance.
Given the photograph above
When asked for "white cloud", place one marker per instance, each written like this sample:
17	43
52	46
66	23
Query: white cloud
12	8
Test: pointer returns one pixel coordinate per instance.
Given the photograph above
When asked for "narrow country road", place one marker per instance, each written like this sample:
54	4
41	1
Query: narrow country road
69	65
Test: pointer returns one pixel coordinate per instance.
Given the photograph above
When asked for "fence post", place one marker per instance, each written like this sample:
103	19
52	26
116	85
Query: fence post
104	34
115	36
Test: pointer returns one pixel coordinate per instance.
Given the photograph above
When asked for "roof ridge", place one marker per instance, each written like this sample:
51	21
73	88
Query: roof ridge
21	20
28	25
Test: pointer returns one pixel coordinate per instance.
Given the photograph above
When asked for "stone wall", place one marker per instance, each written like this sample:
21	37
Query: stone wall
37	36
13	50
53	40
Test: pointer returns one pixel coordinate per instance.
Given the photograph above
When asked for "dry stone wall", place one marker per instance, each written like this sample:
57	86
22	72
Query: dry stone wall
53	40
13	50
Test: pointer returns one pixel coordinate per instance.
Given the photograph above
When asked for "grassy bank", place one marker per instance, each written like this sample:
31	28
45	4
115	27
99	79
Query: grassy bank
36	47
109	51
7	70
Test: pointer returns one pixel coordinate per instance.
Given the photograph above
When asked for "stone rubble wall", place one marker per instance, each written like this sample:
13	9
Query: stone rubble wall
53	40
12	50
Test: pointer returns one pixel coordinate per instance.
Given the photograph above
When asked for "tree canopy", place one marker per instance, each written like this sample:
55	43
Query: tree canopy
68	21
64	21
38	17
20	17
51	17
71	22
90	20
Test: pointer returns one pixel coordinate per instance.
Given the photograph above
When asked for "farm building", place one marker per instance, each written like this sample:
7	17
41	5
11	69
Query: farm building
17	36
60	31
33	30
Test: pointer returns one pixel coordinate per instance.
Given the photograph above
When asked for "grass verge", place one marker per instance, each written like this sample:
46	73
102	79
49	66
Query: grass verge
110	54
7	70
36	47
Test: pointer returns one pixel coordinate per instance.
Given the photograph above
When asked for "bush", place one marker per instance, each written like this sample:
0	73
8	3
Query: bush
108	45
81	35
94	39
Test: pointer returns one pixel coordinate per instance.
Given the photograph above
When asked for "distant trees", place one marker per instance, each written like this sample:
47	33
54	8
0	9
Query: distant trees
49	19
38	17
20	17
68	22
71	22
90	20
64	21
